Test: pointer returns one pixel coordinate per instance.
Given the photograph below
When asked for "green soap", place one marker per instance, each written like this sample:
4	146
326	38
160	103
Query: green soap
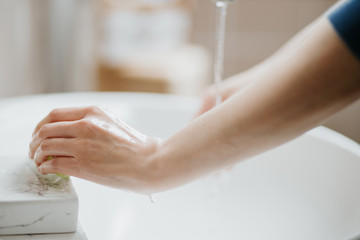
59	174
62	175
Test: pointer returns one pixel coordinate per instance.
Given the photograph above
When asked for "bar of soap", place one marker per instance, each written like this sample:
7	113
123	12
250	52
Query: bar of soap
29	205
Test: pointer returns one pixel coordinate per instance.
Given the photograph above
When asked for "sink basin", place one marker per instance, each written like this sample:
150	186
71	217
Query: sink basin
305	189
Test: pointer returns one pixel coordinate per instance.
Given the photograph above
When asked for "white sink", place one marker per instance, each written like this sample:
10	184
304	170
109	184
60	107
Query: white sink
306	189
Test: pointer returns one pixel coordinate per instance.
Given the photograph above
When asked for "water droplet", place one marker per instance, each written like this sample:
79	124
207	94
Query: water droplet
151	197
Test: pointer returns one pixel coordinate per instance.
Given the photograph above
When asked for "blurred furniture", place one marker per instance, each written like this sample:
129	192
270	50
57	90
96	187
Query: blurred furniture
145	46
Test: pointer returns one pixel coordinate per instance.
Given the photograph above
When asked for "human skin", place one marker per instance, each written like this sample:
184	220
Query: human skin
293	91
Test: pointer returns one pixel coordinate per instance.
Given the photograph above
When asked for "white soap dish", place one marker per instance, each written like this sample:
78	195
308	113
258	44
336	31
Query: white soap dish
78	235
28	205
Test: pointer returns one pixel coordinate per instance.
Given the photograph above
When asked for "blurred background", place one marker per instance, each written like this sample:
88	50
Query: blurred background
163	46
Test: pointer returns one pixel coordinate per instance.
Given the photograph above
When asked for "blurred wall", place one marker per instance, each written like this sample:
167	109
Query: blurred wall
257	28
21	49
46	46
72	45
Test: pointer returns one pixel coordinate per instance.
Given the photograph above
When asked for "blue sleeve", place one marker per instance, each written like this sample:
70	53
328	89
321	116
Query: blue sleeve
346	22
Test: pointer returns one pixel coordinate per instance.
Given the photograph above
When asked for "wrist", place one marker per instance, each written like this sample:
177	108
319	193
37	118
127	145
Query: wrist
164	170
154	167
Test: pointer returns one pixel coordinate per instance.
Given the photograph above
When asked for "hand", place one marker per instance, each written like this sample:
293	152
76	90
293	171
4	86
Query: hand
93	144
227	89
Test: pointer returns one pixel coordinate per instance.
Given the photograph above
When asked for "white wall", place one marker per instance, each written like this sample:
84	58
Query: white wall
46	46
72	30
19	58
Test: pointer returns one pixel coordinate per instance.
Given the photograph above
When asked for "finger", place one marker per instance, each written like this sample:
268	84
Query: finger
71	167
53	130
62	114
63	165
54	147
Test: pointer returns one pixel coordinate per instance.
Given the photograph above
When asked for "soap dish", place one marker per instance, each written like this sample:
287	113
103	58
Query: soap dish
29	205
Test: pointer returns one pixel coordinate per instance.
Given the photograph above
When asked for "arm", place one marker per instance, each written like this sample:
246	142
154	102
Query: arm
301	89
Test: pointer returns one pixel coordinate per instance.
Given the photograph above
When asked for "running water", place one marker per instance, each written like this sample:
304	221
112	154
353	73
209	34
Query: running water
221	11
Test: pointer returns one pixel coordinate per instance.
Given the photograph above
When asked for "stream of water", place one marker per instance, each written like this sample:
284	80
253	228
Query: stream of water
221	12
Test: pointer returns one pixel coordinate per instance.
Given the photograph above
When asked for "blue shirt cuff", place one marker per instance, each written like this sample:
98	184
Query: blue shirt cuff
346	22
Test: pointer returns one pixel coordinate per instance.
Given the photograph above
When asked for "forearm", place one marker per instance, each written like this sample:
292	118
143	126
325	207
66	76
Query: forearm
299	91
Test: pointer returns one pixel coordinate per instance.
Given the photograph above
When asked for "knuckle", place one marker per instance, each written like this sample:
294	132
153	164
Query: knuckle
85	125
54	114
43	131
45	145
93	109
